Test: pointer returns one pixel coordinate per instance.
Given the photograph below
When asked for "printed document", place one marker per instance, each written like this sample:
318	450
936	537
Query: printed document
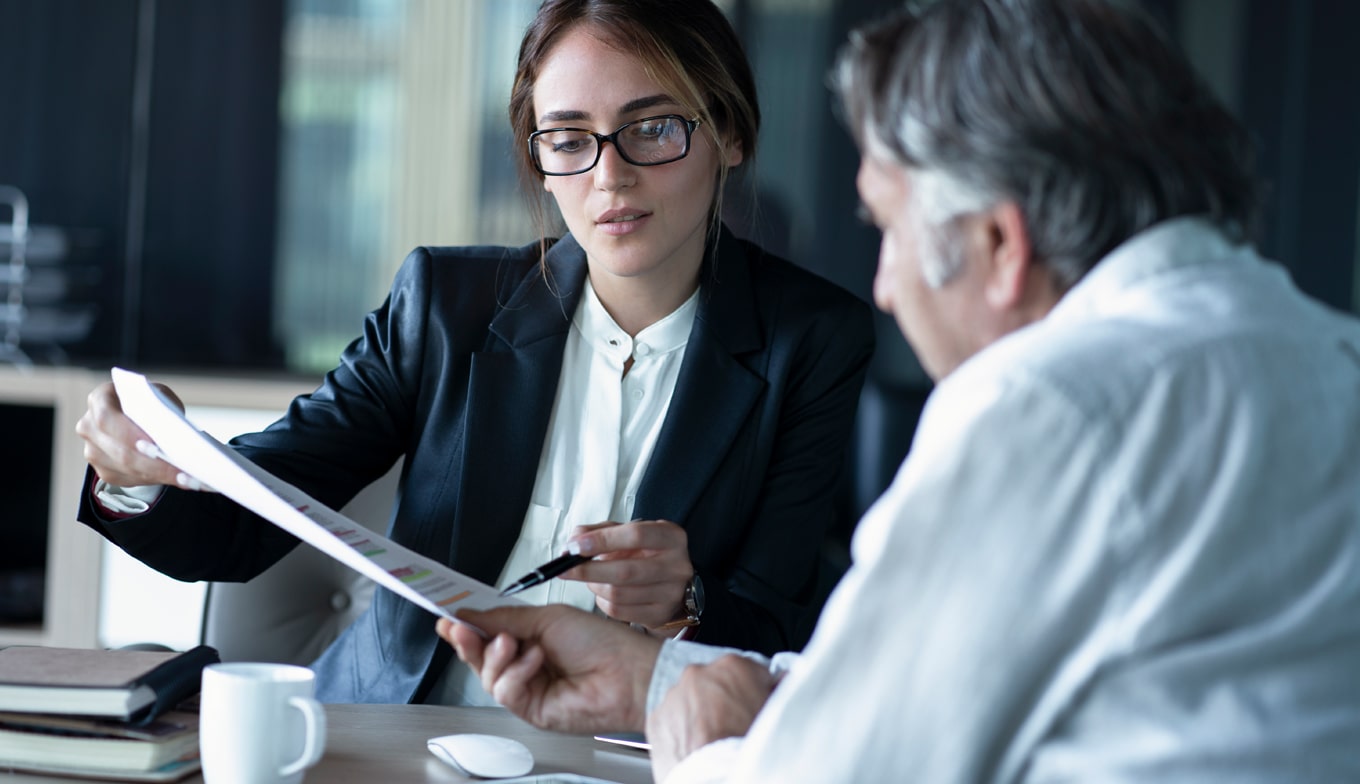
428	583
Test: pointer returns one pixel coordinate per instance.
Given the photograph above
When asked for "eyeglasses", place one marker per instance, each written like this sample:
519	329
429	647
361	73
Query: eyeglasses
651	141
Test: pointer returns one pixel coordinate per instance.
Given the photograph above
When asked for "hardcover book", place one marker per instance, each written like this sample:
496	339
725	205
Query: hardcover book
164	749
130	685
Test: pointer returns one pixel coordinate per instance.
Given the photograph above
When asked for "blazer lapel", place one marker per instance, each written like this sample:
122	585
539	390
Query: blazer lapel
511	387
714	392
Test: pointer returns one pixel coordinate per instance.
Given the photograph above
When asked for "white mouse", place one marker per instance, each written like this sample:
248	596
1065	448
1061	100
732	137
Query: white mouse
485	756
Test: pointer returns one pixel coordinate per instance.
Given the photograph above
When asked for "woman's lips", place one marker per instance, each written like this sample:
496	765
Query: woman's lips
619	223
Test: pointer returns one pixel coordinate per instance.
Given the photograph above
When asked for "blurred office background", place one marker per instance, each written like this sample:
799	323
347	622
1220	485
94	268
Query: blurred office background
232	184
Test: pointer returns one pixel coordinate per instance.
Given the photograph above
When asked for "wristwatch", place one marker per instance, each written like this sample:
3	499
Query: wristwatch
694	600
692	605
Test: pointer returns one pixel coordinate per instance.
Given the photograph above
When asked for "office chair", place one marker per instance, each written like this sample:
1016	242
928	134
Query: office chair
298	606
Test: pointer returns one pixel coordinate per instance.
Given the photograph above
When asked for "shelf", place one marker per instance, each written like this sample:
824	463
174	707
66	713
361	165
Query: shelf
22	635
76	587
71	582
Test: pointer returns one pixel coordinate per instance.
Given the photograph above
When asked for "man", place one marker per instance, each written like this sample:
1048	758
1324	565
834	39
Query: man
1126	544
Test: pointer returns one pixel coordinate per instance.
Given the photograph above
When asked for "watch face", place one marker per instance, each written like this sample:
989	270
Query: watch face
694	596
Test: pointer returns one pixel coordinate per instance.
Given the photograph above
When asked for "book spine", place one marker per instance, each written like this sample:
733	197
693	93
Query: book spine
175	680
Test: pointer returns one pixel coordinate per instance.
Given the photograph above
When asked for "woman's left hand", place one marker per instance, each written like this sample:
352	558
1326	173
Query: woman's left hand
639	571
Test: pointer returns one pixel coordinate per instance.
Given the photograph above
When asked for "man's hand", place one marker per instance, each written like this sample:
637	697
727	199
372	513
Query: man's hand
709	702
119	451
640	569
557	667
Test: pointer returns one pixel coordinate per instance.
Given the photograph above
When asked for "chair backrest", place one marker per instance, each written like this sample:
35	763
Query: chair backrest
298	606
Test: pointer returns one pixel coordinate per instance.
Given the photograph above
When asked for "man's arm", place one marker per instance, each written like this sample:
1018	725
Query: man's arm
710	702
570	671
975	609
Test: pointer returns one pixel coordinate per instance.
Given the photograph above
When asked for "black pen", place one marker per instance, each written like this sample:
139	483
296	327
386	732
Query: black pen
545	572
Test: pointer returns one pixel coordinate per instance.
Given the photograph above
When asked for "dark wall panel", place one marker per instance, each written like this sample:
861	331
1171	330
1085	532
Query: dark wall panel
65	89
210	200
1302	69
174	205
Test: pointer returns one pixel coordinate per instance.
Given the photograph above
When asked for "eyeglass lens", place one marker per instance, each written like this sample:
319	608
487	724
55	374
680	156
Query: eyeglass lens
647	142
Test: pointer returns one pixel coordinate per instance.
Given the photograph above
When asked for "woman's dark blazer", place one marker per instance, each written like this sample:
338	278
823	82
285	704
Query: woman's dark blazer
457	372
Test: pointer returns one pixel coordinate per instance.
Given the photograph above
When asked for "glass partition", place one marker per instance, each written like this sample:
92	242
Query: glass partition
394	134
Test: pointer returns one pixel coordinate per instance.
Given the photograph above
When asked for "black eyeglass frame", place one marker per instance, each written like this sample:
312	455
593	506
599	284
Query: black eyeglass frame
612	138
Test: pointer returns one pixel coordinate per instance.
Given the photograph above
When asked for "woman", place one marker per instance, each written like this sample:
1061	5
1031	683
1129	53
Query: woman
648	367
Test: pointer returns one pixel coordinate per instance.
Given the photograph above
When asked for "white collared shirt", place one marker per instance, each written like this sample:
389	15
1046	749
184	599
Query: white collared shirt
600	438
1125	547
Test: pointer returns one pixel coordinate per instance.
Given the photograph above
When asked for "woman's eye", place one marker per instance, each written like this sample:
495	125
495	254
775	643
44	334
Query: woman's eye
651	131
573	145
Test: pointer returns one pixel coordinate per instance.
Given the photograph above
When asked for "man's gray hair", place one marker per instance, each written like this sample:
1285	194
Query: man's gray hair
937	200
1082	112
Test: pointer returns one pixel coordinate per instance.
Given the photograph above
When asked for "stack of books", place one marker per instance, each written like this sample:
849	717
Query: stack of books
119	715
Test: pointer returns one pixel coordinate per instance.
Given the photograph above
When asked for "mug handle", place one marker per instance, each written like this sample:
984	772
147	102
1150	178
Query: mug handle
315	743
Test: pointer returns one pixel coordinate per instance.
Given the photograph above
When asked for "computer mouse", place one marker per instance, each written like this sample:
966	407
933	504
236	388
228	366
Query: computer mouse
485	756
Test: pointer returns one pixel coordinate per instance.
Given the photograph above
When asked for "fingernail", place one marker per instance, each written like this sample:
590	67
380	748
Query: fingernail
573	547
187	482
149	449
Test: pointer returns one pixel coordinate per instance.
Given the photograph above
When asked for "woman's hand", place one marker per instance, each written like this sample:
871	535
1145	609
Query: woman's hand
639	571
119	451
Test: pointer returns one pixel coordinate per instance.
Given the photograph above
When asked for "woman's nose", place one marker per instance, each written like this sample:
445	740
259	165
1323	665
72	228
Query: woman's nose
612	172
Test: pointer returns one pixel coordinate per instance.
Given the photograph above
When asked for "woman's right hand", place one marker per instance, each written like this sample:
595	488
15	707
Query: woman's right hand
119	451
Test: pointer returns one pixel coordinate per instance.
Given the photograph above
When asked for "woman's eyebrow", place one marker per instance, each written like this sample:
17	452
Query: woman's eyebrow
562	116
635	105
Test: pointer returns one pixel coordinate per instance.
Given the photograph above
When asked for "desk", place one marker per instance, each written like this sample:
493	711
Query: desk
386	744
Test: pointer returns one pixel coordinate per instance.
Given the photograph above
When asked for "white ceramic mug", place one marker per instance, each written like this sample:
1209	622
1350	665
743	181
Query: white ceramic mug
259	723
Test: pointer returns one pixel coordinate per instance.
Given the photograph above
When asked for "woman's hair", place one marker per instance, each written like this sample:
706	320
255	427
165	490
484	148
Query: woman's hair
1082	112
688	48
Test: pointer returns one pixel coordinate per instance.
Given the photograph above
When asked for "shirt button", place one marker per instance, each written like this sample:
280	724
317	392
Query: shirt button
637	394
642	349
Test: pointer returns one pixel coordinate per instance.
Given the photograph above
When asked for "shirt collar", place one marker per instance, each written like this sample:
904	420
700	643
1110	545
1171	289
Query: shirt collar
599	329
1179	243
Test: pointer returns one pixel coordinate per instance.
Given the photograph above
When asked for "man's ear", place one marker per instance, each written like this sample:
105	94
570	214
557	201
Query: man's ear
1011	257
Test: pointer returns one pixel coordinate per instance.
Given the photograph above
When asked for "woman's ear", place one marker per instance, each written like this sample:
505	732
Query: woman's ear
733	152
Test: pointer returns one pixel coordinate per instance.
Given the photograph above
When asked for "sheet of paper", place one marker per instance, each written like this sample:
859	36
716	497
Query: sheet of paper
422	580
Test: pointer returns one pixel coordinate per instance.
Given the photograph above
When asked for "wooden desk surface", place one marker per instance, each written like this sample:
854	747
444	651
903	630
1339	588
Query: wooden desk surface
386	744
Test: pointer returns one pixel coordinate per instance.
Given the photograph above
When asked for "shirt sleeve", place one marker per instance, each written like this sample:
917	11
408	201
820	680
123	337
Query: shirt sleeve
711	762
676	655
126	501
708	765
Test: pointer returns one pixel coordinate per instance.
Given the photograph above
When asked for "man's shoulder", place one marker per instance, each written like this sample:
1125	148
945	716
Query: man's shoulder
1097	369
1227	343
